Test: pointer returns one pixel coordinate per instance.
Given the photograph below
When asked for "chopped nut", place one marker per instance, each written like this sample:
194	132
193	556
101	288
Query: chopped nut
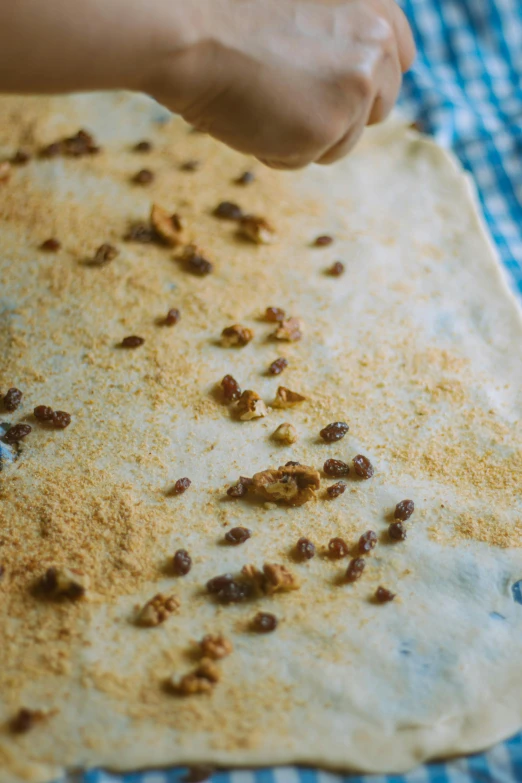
103	255
363	467
274	315
251	406
51	245
323	240
383	595
293	484
236	336
195	262
257	229
181	486
290	330
264	622
64	583
25	719
286	433
143	177
5	171
215	646
285	398
404	510
227	210
231	389
237	535
16	433
132	341
336	270
169	227
12	399
191	684
334	431
157	610
278	579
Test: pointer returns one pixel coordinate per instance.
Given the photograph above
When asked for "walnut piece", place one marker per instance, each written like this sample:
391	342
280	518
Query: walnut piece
65	583
169	227
5	171
257	229
157	610
292	484
286	433
251	406
201	680
236	336
278	579
290	330
285	398
215	646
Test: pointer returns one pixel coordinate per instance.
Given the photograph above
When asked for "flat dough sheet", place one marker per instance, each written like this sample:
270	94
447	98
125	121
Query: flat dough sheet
416	346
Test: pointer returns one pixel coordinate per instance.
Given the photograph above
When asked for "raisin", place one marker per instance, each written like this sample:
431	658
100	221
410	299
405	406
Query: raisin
264	622
323	240
104	254
337	547
355	569
336	489
245	178
60	419
143	177
51	245
383	595
228	211
237	535
12	399
172	317
337	269
21	157
133	341
181	486
181	562
143	146
367	542
16	433
43	413
52	150
274	314
190	165
277	366
397	531
336	468
404	510
291	464
237	490
231	389
197	774
198	265
218	583
363	467
234	592
334	431
305	549
22	722
141	232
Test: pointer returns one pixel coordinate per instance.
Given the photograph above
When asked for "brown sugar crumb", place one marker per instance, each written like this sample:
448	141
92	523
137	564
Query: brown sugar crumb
404	510
251	406
367	542
274	315
12	399
286	434
292	484
132	341
195	262
336	468
51	245
227	210
181	486
397	531
43	413
278	365
355	569
231	389
64	583
140	232
143	146
25	720
215	646
190	165
181	562
334	431
305	549
383	595
16	433
285	398
337	547
336	489
236	336
336	270
172	317
245	178
237	535
21	157
169	228
143	177
257	229
5	171
278	579
323	240
363	467
264	622
290	330
157	610
104	255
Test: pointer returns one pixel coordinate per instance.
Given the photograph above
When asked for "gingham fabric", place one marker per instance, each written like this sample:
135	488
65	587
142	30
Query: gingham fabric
466	90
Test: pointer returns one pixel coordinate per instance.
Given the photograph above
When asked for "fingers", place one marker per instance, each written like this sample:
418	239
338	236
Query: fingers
405	43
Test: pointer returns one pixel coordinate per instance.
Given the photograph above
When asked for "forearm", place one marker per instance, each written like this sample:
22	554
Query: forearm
51	46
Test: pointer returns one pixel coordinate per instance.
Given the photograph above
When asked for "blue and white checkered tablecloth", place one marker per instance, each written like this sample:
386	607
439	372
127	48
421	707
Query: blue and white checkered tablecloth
466	90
